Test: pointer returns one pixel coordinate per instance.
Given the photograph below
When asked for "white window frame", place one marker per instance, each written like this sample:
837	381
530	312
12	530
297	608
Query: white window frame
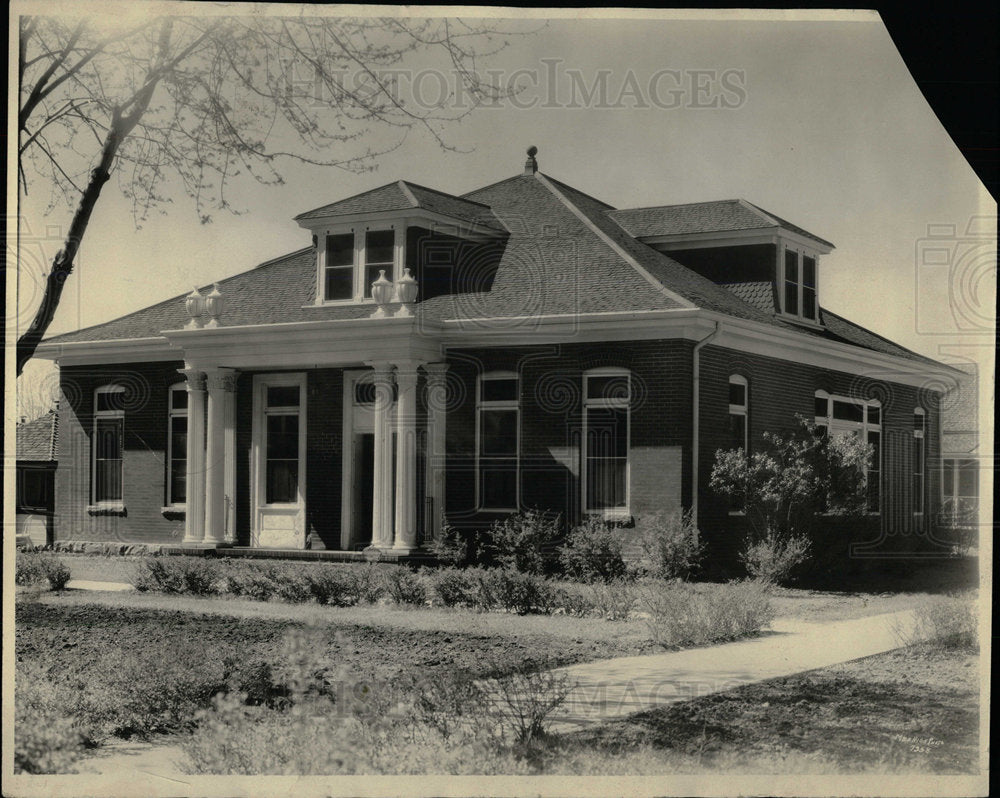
801	253
742	410
920	498
498	404
950	471
864	426
609	513
173	413
360	257
105	414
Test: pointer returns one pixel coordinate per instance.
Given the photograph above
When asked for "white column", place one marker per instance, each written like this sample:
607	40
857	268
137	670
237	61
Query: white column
437	399
406	457
194	517
220	382
382	504
230	456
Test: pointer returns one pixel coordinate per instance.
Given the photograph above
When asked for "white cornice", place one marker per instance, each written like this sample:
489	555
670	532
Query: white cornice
437	222
116	350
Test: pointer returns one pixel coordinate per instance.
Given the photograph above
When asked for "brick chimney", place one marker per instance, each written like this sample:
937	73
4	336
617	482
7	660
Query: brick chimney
531	165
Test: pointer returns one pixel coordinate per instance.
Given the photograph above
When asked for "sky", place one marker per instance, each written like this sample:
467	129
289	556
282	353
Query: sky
818	122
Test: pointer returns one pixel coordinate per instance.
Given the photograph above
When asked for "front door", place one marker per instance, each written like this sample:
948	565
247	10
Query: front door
279	447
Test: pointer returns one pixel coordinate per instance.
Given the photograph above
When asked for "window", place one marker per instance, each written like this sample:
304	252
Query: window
606	399
960	491
353	262
177	445
840	415
339	276
919	459
379	246
281	444
738	403
497	441
34	489
799	284
109	430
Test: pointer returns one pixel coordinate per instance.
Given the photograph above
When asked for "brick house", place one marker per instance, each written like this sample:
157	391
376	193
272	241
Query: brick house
428	357
37	444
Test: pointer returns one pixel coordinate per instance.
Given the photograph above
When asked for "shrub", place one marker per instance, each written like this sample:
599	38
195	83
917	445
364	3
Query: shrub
57	572
451	546
593	551
525	541
177	575
253	581
680	615
570	602
456	588
948	622
331	586
366	582
293	587
774	557
668	545
612	600
28	569
516	592
523	701
404	586
200	576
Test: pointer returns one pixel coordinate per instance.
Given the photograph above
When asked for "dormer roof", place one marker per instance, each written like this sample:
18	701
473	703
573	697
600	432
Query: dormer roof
402	196
720	216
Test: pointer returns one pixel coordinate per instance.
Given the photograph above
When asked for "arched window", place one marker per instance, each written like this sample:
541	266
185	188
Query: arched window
607	394
739	405
177	403
842	415
919	459
109	432
497	441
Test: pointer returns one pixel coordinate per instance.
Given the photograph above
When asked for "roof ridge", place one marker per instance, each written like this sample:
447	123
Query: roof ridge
492	185
583	193
345	199
445	193
677	205
407	193
614	246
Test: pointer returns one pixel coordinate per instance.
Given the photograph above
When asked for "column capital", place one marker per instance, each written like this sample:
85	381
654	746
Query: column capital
382	368
221	379
435	371
195	378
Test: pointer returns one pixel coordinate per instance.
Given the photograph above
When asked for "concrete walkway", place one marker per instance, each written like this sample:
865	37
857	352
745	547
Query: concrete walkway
87	584
611	689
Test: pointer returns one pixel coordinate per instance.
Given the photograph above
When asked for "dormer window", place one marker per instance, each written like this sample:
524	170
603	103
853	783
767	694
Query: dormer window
352	260
798	283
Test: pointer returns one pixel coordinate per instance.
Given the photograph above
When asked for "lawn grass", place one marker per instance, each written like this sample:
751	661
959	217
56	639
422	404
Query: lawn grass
914	709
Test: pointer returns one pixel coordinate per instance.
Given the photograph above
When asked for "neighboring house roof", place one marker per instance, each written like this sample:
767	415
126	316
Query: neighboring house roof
403	195
565	252
721	216
37	440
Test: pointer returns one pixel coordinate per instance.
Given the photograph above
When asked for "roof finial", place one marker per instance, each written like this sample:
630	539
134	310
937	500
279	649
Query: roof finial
531	165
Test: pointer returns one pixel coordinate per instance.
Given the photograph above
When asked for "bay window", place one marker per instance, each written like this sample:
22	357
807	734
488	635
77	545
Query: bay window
497	444
606	402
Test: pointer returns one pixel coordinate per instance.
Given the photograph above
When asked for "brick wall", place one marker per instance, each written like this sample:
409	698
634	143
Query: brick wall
143	453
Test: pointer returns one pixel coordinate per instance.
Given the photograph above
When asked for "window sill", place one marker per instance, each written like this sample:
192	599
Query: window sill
174	510
107	508
801	320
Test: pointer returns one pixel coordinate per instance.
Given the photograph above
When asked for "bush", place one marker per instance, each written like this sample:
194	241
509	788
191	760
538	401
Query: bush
331	586
668	545
251	580
522	702
366	582
612	600
525	541
680	615
404	586
456	588
451	547
774	557
514	591
593	551
30	568
948	622
293	587
177	575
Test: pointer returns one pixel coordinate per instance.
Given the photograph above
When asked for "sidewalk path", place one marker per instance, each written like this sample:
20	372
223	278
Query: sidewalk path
614	688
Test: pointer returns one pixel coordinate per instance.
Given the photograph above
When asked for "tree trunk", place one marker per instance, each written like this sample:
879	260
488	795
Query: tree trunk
62	264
